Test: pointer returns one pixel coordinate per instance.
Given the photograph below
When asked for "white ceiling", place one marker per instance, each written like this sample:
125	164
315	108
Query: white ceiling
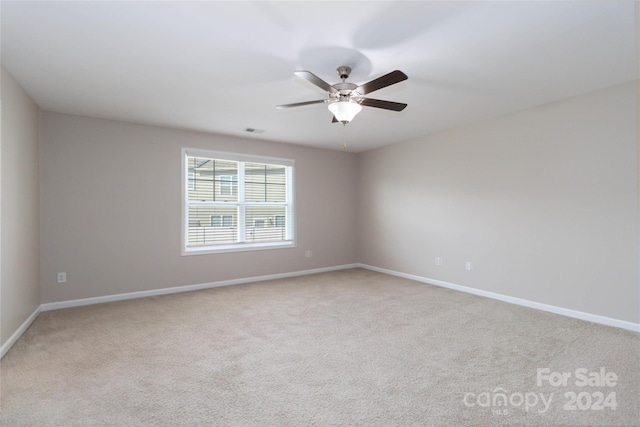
223	66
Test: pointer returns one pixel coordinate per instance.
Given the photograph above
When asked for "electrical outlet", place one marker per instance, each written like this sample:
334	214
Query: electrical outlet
308	254
438	261
62	277
467	265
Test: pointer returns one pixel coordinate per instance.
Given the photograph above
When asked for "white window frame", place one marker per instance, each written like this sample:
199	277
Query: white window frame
289	242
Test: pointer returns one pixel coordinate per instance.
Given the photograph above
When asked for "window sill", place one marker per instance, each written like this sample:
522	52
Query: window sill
238	247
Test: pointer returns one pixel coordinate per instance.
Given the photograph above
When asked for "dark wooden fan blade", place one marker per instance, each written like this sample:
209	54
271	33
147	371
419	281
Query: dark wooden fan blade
387	80
316	81
387	105
334	120
299	104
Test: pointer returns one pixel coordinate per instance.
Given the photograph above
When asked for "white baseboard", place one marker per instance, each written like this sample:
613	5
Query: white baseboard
18	333
603	320
186	288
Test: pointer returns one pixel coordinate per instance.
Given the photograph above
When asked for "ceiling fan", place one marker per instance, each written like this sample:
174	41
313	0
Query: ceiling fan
346	99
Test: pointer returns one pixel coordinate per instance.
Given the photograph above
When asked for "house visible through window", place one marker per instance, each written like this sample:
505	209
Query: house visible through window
236	202
222	220
228	185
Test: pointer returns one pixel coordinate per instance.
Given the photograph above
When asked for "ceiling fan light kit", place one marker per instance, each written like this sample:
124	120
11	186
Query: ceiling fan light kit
346	99
344	111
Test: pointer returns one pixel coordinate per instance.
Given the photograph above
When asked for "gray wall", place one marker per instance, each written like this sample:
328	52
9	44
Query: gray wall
19	269
544	203
111	209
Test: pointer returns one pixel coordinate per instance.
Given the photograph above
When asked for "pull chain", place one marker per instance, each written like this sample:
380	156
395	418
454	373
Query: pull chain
344	137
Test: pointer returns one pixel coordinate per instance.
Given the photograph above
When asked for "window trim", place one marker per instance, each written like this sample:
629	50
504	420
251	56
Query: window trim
240	246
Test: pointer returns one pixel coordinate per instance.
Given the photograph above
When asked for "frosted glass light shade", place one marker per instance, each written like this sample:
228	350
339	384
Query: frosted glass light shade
344	111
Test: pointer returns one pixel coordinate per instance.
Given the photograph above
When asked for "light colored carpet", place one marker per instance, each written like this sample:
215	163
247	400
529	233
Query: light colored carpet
351	347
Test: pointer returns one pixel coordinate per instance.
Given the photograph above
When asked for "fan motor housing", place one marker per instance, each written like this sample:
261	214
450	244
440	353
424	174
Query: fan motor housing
345	87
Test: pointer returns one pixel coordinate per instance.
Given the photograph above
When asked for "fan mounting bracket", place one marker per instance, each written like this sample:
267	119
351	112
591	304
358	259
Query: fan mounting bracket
344	71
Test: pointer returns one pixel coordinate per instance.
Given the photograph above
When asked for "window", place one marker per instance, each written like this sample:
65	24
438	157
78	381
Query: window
234	202
222	220
228	185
